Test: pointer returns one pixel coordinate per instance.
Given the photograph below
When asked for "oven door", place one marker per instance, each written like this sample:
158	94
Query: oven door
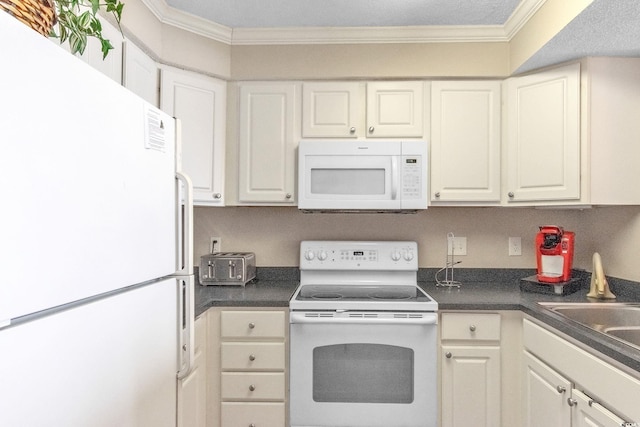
363	369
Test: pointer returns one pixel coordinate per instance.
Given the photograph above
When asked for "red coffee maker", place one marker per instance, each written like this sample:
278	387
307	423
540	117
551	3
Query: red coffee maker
554	254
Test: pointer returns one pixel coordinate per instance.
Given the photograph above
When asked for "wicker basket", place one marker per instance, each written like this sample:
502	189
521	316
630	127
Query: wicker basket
38	14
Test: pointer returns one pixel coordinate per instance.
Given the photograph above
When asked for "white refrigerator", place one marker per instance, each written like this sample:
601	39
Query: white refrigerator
96	293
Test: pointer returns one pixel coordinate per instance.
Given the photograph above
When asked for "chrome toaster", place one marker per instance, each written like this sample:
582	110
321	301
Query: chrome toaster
227	268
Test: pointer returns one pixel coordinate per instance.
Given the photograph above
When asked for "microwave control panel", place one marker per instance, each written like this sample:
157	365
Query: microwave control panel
411	177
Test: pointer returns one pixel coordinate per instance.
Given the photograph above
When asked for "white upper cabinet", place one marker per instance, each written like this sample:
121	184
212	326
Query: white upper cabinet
542	139
395	109
465	142
140	73
200	103
267	143
610	129
387	109
333	109
111	66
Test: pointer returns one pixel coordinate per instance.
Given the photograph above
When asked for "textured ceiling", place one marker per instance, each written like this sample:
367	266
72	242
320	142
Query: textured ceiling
348	13
605	28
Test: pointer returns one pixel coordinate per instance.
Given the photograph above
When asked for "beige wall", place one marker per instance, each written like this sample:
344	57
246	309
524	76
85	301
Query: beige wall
370	61
274	233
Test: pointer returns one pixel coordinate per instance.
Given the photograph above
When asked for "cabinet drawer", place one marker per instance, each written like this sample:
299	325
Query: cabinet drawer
252	324
252	356
253	386
236	414
471	326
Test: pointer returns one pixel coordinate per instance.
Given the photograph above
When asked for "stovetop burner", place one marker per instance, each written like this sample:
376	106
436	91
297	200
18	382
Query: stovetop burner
360	276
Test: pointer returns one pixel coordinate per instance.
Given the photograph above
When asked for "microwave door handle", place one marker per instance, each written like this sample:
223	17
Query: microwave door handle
394	177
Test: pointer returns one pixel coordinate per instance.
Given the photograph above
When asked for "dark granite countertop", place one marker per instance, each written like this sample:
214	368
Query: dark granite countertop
482	289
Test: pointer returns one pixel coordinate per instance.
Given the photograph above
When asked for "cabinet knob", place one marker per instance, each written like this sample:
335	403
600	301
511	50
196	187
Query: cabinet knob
371	129
252	325
571	402
252	357
252	425
252	387
217	196
288	196
472	328
437	195
561	389
511	195
352	130
448	355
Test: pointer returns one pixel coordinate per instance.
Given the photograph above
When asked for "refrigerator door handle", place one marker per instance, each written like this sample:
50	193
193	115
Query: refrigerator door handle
185	227
187	328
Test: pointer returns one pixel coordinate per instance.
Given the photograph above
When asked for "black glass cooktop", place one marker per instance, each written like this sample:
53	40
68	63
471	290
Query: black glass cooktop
399	293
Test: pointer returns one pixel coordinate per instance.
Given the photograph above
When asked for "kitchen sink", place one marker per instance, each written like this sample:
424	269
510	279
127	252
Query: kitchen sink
617	320
628	334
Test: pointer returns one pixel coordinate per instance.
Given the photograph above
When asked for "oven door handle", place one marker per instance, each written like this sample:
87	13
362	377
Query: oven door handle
428	319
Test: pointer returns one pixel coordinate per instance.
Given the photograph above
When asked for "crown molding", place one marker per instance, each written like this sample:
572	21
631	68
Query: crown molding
344	35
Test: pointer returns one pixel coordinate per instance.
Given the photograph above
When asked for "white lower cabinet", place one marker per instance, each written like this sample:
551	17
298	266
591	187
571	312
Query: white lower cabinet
471	379
192	390
566	386
248	375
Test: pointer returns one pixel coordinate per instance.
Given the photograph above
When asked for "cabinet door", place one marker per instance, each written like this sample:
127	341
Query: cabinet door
543	136
199	102
333	109
267	155
192	390
545	394
470	386
140	73
111	66
465	141
587	413
395	109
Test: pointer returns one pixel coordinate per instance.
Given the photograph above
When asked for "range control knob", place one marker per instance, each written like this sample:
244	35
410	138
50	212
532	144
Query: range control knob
322	255
309	255
408	255
395	255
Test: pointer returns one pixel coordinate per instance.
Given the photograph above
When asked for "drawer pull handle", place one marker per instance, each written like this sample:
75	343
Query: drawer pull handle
252	357
448	355
252	325
252	387
472	328
561	389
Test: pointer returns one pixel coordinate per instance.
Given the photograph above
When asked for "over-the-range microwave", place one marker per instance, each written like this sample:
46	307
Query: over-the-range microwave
356	175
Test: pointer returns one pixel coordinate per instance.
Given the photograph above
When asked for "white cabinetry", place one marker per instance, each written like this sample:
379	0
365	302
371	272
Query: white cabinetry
267	143
140	73
390	109
200	103
565	385
111	66
542	140
471	374
465	142
249	380
192	390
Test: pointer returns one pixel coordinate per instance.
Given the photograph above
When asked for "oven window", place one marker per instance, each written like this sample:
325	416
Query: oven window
347	181
363	373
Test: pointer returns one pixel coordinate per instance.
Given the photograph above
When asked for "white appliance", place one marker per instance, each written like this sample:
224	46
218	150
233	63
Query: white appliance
362	175
97	287
363	336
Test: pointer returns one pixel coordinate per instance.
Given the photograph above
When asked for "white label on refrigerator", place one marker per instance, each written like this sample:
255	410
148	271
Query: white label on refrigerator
154	130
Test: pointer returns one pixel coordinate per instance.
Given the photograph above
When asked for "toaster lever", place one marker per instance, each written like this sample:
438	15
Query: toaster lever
232	269
211	270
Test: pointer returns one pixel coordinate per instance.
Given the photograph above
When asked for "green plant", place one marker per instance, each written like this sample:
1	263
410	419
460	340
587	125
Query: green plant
77	20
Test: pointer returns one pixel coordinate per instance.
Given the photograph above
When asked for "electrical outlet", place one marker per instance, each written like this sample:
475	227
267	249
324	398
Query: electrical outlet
515	246
216	244
457	246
